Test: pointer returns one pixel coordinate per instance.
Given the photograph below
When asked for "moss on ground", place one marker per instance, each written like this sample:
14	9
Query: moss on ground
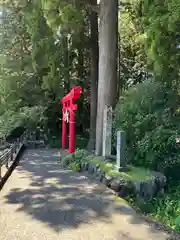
121	200
105	167
138	173
134	173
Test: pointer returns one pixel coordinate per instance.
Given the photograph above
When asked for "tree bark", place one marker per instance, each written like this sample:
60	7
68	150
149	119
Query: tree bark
94	76
107	85
80	73
65	49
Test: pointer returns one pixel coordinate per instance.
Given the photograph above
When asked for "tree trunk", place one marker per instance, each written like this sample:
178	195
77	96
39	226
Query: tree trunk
65	48
94	76
80	74
119	84
80	67
107	85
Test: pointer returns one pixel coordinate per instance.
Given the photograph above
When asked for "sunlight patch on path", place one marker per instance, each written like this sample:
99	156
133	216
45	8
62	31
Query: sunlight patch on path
40	201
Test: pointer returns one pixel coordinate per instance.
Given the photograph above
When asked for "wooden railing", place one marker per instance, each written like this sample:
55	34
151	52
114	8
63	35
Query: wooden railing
11	151
10	154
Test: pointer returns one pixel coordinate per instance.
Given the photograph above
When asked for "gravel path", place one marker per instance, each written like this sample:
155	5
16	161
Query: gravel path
40	201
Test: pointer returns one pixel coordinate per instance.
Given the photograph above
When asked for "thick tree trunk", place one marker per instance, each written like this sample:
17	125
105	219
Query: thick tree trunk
65	48
80	66
94	76
80	75
119	84
107	85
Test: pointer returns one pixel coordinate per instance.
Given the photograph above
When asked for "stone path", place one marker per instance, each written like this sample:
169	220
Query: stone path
40	201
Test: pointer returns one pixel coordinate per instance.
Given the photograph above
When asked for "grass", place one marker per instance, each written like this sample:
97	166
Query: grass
138	173
121	200
103	166
135	173
165	209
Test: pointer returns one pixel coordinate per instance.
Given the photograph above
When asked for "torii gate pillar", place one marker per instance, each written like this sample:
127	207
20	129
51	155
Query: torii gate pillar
69	108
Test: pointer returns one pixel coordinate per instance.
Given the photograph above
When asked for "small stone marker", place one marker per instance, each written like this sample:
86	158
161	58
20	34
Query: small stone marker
121	149
107	131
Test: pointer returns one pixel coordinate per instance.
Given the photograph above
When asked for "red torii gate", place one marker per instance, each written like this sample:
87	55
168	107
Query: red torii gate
69	106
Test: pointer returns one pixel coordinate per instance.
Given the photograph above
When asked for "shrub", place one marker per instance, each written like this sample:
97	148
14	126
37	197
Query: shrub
148	113
75	157
167	209
75	166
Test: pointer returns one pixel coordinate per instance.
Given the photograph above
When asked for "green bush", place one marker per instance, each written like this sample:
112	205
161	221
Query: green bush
75	157
167	209
66	160
149	114
177	223
75	166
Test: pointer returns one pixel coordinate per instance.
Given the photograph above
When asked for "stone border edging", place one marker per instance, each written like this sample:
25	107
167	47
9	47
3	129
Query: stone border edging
99	175
140	189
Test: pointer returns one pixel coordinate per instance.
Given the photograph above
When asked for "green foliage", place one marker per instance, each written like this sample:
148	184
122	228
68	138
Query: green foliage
39	62
148	113
160	23
74	162
65	161
75	166
177	223
133	59
20	91
75	158
54	142
165	209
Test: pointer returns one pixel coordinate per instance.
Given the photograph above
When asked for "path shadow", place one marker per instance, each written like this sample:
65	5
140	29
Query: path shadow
63	199
60	198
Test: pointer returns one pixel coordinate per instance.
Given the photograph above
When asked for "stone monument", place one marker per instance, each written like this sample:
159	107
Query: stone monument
121	149
107	131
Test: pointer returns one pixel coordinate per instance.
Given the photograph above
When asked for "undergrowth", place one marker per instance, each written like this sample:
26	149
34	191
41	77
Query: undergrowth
165	209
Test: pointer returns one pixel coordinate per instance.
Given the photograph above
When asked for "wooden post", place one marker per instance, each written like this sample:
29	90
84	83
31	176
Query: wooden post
15	147
7	158
12	152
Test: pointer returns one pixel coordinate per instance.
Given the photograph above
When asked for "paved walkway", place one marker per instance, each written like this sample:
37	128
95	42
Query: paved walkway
40	201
